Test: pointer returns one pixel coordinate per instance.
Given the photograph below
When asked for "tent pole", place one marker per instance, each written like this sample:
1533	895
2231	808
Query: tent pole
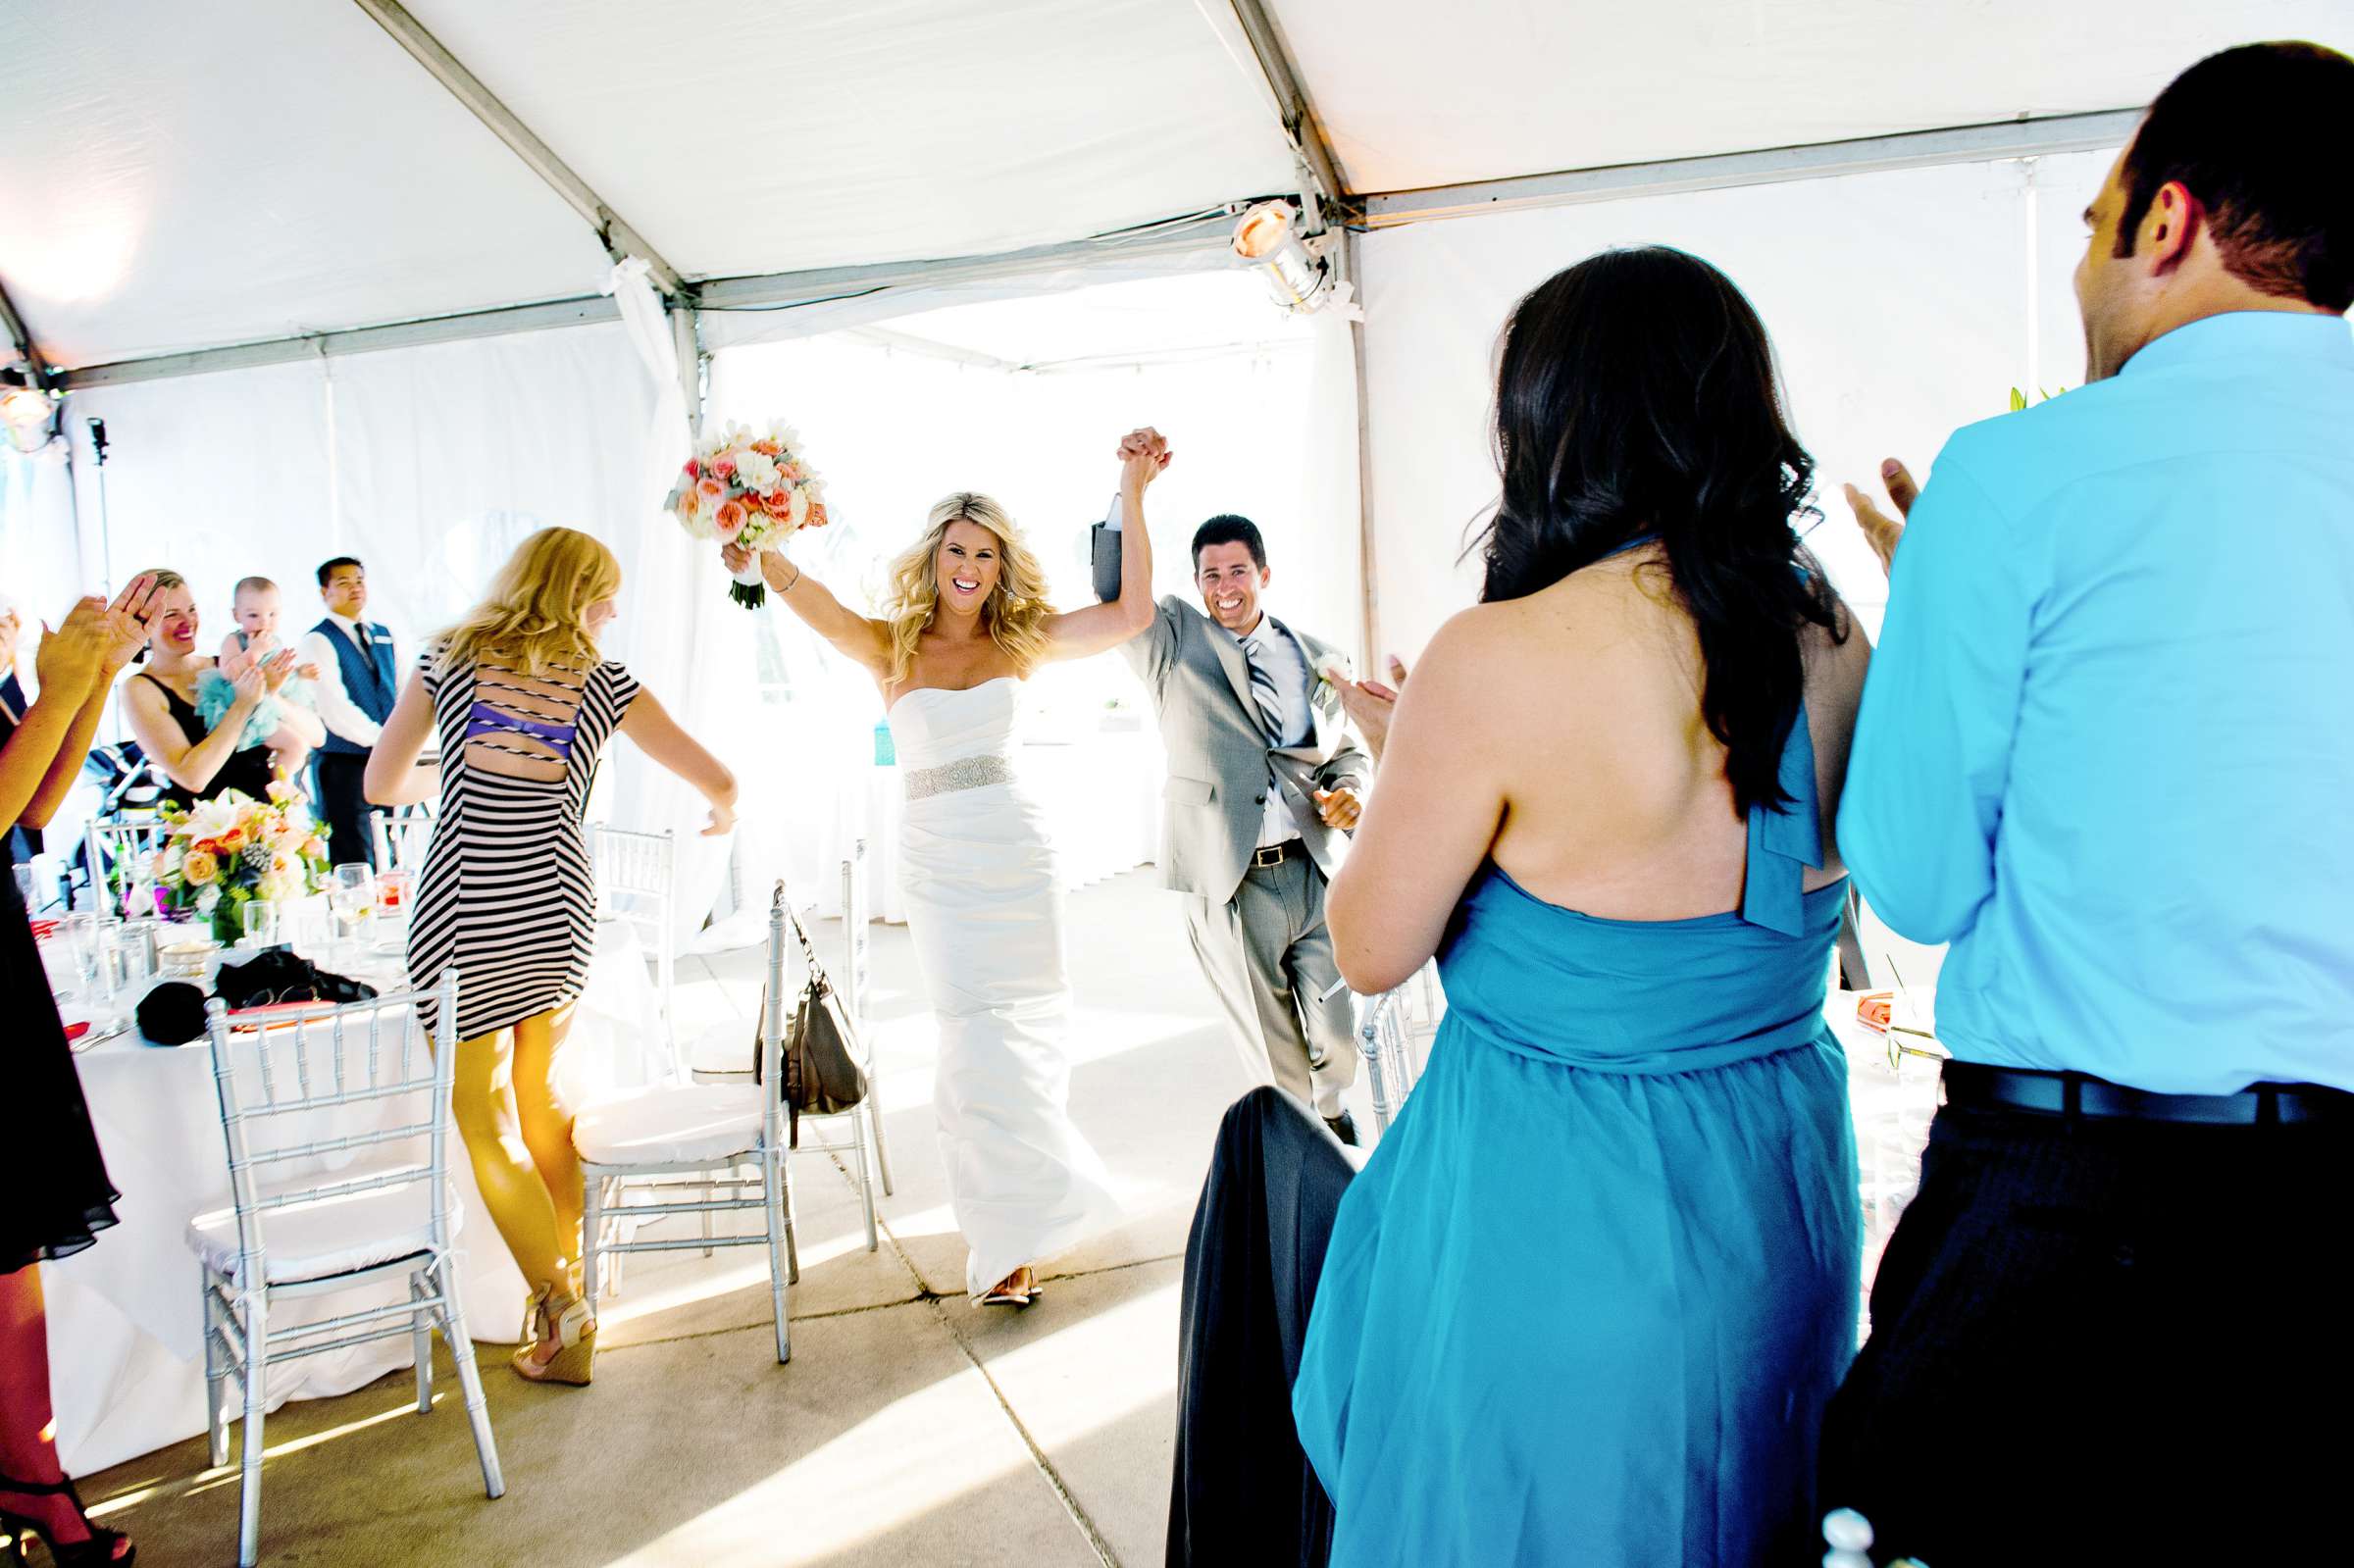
1368	556
1301	126
686	335
618	237
1916	149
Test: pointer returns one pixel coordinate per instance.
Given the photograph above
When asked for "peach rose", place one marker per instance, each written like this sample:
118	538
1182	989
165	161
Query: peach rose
316	848
729	518
199	868
712	491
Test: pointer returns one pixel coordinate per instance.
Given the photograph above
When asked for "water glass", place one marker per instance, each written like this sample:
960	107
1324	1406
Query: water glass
261	922
25	888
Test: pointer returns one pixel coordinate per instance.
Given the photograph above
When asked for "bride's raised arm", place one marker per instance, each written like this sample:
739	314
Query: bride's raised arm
861	638
1076	634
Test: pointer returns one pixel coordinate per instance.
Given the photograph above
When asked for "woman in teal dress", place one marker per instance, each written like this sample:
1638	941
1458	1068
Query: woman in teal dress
1588	1298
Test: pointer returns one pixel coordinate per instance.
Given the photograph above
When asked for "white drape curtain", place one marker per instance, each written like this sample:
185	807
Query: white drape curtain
680	634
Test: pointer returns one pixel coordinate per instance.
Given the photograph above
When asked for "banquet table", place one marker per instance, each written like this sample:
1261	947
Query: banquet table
125	1345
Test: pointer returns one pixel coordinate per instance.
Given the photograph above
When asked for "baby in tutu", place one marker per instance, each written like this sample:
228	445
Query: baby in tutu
255	609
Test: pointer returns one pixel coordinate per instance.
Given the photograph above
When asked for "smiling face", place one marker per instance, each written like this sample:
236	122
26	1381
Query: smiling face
173	632
966	567
1230	582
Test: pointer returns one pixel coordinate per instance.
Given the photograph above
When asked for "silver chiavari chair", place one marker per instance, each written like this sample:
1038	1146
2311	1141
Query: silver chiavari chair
402	836
1393	1033
636	882
337	1125
700	1137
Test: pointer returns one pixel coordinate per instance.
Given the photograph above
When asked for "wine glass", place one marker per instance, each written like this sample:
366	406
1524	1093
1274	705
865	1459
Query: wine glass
351	898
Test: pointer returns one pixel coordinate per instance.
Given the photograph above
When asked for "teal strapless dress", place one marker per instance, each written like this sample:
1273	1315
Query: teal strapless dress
1588	1298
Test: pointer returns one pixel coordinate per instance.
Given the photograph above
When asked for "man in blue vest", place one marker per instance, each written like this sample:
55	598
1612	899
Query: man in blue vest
357	682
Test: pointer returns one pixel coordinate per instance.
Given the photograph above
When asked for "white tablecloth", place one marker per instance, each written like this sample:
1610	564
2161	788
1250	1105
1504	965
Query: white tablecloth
126	1330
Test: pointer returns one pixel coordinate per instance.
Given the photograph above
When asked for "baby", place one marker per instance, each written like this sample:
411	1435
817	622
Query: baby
255	609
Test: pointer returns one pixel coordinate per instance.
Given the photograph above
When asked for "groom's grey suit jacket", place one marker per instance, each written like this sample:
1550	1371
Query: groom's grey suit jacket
1219	757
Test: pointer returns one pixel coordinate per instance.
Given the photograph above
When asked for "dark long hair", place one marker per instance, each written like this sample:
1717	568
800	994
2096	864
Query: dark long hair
1637	398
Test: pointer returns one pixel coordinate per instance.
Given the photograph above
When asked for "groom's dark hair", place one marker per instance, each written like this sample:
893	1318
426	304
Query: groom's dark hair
1230	528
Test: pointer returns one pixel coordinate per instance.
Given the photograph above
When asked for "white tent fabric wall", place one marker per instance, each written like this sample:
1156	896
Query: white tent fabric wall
41	558
1902	305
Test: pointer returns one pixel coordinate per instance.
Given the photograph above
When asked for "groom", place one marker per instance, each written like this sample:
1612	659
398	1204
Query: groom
1263	784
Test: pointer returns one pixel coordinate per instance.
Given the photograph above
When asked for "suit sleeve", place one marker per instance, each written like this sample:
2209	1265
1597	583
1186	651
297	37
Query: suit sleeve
1151	651
1923	798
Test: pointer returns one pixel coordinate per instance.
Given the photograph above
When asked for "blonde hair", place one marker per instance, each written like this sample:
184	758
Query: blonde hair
1016	612
536	615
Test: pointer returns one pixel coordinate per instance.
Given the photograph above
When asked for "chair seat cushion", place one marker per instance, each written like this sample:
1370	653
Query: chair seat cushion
318	1239
721	1051
670	1125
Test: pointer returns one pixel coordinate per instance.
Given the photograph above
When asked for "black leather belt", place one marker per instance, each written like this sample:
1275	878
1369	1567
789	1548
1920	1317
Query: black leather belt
2018	1089
1277	854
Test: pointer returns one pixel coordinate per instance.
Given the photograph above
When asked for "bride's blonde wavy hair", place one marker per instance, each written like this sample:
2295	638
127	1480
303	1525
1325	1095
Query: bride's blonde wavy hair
1015	613
536	615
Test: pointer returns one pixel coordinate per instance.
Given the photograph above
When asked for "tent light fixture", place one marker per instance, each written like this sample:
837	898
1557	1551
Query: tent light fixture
27	408
1298	271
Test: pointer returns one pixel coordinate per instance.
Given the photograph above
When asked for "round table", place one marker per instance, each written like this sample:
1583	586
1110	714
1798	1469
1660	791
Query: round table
126	1330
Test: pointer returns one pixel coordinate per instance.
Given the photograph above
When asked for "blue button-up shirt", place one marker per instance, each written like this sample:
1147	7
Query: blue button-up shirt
2107	743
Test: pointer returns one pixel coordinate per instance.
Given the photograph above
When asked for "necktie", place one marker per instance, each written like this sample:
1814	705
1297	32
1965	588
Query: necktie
1262	689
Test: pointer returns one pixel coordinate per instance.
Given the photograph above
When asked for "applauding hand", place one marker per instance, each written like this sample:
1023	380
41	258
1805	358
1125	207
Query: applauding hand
71	656
1880	530
1368	703
275	669
126	623
1340	808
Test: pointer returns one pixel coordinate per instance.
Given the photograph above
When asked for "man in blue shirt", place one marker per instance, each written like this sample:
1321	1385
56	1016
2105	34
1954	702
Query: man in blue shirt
2105	752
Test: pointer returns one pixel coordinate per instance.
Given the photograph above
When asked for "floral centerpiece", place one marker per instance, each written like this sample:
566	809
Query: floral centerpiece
232	850
744	487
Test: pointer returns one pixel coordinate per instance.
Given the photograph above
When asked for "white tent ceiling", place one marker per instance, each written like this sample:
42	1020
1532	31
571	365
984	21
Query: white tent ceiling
175	176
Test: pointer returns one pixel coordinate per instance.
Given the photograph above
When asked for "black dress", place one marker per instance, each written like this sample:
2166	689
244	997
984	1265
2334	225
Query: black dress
249	770
50	1168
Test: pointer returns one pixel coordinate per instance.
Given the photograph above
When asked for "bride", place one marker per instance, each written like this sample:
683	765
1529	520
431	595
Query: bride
965	620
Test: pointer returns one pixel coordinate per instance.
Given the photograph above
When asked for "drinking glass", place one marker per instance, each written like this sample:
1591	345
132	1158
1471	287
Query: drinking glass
25	886
351	899
260	919
79	933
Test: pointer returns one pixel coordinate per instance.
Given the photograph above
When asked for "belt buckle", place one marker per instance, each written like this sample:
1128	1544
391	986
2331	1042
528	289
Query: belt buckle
1262	858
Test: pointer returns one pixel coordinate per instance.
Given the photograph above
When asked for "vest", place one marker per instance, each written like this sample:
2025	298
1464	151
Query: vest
368	678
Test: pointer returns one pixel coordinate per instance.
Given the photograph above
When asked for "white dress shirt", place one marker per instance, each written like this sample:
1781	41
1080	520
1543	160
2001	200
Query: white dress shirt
343	716
1275	651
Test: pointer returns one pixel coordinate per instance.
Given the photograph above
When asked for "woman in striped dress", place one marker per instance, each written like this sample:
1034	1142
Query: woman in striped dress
523	707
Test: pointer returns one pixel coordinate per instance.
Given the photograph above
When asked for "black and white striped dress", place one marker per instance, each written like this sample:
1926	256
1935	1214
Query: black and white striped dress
507	894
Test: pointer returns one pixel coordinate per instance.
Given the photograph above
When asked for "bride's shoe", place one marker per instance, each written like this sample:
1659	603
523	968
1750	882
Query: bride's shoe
1013	1290
560	1319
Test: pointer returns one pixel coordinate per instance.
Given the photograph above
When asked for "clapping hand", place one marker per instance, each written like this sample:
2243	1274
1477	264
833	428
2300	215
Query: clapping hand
71	656
1340	808
1368	703
1143	454
274	669
247	690
1880	530
126	623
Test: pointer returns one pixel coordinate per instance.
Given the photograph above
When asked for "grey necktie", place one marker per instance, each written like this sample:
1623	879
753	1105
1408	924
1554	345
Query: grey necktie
1263	689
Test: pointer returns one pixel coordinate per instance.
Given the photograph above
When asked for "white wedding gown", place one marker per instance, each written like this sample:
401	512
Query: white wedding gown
985	910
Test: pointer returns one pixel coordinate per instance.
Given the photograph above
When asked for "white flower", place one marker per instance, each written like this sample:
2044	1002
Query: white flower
799	513
208	898
755	472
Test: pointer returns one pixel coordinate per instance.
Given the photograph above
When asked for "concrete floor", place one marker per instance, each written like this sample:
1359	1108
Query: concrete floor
908	1427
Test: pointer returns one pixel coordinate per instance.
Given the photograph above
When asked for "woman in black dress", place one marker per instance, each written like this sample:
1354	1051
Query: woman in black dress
58	1193
197	762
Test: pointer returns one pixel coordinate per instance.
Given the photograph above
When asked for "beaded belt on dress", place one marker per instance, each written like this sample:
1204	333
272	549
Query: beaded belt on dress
965	773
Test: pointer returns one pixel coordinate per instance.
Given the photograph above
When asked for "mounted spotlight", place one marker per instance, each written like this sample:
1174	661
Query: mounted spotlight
27	408
1298	271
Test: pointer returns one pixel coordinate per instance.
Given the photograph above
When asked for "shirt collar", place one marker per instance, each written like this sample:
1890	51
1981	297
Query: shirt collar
2290	335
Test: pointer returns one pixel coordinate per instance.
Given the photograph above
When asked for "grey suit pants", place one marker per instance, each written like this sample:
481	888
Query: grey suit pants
1268	957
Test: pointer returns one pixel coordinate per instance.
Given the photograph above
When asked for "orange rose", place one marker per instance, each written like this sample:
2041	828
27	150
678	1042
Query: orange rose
199	868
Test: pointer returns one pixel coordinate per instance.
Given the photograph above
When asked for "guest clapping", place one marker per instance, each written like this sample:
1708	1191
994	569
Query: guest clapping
524	706
59	1195
1601	1274
255	608
2105	753
200	758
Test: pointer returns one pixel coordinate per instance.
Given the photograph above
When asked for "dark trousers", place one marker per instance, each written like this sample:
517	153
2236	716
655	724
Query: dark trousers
2107	1342
1243	1491
343	807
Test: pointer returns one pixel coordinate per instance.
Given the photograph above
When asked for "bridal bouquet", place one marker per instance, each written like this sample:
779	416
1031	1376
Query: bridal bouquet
751	489
233	850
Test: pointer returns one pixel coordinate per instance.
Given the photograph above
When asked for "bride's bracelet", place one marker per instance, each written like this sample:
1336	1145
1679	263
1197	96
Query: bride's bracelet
797	576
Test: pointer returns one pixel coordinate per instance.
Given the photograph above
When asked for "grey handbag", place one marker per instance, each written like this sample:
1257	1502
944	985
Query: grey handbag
820	1050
